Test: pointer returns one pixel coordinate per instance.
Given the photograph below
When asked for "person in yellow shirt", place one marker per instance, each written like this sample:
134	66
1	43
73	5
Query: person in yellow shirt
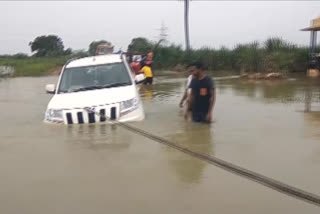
148	74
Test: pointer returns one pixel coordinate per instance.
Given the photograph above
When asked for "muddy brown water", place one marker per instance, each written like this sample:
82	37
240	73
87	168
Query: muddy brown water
272	128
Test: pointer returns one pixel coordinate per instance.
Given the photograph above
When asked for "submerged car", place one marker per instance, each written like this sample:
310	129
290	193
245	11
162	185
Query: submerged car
95	89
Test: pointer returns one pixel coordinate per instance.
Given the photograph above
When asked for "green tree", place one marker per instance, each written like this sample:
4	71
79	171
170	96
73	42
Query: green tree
139	45
50	45
79	53
93	46
20	56
67	51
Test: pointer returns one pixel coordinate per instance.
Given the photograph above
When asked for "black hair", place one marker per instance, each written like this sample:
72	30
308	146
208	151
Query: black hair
197	64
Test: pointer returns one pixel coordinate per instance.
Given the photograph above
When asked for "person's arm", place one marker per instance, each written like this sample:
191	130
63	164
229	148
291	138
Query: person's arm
190	98
185	95
189	105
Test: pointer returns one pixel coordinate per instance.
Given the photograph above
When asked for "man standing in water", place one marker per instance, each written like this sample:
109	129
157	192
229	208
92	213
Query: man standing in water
148	74
147	67
203	94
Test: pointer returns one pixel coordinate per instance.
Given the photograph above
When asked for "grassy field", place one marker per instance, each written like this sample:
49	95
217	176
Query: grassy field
273	55
33	66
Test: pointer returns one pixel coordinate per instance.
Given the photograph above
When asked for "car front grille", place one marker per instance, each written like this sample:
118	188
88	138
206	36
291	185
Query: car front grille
80	116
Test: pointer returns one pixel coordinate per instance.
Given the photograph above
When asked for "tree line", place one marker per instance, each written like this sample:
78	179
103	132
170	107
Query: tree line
272	55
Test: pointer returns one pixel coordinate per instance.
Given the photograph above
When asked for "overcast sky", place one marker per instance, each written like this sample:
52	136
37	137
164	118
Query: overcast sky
212	23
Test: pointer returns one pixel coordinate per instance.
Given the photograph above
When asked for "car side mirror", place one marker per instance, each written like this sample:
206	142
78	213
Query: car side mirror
50	88
139	78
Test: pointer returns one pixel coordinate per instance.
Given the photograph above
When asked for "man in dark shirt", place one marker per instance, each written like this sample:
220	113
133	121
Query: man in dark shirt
203	95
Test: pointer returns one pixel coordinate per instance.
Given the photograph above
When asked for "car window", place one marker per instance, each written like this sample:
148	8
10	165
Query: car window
94	77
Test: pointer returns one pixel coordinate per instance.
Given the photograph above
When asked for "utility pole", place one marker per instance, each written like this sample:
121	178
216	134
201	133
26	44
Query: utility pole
186	24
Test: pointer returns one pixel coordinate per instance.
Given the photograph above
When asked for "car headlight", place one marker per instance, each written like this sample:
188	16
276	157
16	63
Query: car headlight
128	106
54	115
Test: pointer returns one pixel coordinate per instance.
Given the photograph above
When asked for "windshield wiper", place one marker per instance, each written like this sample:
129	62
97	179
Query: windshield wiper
100	86
115	85
86	88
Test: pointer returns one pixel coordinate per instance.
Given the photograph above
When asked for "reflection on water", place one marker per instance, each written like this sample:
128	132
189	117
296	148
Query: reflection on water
96	137
146	92
195	137
278	91
161	91
312	120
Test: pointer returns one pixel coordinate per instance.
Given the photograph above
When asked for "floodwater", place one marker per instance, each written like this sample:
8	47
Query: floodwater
268	127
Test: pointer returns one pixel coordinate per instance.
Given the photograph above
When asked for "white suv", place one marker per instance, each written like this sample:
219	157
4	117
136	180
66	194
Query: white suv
95	89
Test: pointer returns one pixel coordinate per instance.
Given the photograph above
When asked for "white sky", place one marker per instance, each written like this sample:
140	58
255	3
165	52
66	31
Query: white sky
212	23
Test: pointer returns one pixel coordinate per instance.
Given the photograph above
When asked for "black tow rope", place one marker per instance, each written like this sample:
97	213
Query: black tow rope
266	181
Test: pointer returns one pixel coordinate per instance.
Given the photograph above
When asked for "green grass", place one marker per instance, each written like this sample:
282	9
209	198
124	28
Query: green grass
33	66
273	55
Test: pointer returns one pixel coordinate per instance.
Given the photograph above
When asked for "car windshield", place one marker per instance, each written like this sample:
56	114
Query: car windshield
94	77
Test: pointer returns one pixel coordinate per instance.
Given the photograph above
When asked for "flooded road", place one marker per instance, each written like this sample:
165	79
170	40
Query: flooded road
272	128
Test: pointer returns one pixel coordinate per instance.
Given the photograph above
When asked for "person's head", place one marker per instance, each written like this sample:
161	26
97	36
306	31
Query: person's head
196	68
149	55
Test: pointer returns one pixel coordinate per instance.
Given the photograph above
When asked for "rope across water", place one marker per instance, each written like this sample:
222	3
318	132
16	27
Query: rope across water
264	180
